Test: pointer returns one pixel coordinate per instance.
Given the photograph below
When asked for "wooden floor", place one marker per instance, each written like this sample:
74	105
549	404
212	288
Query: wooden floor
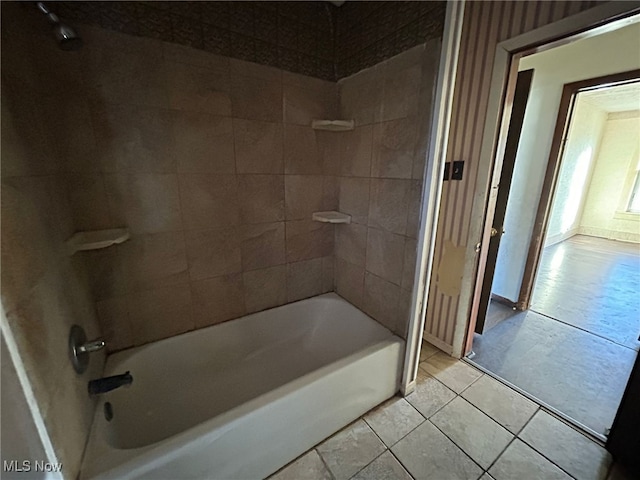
575	348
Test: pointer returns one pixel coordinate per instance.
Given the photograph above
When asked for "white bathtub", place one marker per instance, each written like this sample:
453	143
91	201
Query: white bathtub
242	399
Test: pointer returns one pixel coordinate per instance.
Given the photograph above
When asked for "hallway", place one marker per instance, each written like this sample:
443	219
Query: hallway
574	349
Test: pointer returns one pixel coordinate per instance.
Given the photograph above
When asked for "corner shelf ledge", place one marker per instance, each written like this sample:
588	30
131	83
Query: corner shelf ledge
96	239
331	217
333	125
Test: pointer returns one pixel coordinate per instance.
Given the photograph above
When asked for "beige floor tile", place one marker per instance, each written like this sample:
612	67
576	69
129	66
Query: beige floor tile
486	476
393	420
503	404
474	432
520	462
385	467
428	454
572	451
455	374
427	350
350	449
307	467
430	395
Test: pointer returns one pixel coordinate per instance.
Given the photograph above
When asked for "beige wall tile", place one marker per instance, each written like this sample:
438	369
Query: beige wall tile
217	299
389	203
28	248
133	139
405	300
100	38
301	153
351	243
349	281
330	148
256	70
410	259
330	193
103	273
209	201
160	313
385	255
261	198
380	300
263	245
151	261
307	99
401	89
304	195
203	143
258	146
116	76
361	96
256	99
172	52
357	151
211	253
70	126
354	198
393	151
144	202
413	215
88	202
197	89
306	239
113	316
304	279
265	288
328	274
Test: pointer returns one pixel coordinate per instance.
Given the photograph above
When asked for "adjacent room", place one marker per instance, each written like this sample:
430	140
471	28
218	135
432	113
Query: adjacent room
571	340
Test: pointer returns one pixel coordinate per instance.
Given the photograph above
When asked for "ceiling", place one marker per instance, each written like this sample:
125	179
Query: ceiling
615	99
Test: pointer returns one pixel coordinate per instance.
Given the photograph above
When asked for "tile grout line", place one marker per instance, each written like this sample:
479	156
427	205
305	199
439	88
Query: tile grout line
333	477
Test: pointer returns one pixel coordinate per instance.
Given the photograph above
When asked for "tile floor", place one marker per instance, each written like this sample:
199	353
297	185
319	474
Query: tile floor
458	424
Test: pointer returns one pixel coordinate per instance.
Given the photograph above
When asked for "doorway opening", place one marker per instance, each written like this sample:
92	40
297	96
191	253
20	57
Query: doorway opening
559	314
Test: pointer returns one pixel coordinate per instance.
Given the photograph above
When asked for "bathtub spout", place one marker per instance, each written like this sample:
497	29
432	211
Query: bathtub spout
106	384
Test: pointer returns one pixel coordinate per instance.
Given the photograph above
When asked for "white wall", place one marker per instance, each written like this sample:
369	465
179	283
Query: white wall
609	191
614	52
581	150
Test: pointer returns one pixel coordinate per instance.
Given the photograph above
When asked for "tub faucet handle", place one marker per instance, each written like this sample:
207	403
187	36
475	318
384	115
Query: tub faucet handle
80	348
93	346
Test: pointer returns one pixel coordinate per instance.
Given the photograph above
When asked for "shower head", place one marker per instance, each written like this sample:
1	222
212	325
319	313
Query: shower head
66	36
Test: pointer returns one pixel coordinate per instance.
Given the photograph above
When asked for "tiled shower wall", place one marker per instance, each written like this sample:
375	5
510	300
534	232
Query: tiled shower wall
313	38
382	163
44	290
212	164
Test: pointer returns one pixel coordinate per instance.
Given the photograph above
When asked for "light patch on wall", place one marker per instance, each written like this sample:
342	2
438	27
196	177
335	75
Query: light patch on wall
576	190
450	269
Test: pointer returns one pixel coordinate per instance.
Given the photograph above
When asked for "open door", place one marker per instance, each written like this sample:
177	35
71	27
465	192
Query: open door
624	438
521	95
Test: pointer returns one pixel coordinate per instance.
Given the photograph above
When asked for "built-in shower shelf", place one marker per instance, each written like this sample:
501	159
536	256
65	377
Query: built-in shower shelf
333	125
96	239
331	217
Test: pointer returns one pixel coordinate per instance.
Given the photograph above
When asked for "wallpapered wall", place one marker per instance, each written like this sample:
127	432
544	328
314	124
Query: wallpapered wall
312	38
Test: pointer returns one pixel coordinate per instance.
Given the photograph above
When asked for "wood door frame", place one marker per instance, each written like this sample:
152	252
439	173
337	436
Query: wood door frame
558	143
589	23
